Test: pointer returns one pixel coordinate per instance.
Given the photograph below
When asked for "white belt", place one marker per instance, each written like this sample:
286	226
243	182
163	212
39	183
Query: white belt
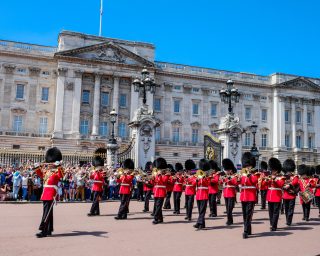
177	183
275	189
187	185
51	186
124	184
229	186
248	187
97	181
202	187
159	186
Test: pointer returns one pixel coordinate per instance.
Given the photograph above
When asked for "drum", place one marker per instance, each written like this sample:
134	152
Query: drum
306	196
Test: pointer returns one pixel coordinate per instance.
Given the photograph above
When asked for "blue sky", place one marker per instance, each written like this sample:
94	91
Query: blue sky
255	36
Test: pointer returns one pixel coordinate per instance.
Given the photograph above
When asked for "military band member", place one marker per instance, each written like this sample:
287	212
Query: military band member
289	189
213	188
190	187
147	186
170	172
248	194
178	181
262	184
317	185
125	191
51	177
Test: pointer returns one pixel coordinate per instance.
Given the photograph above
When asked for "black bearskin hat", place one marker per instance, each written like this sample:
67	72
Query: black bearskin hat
204	165
312	171
274	164
128	164
263	165
288	166
147	166
170	167
227	164
178	167
318	169
53	155
214	165
189	165
97	161
302	169
248	160
160	163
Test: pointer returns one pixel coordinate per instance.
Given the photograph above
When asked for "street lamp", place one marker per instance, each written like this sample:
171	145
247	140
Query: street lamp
230	95
254	150
113	120
144	85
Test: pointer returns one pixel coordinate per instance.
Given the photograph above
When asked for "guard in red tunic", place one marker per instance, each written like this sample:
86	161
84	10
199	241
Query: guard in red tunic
160	185
317	185
170	172
290	189
248	194
147	186
202	192
230	182
213	188
178	181
51	177
262	184
97	179
190	187
125	181
274	194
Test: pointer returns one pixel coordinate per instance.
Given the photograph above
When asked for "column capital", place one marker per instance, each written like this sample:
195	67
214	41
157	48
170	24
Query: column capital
62	71
9	68
98	75
78	73
34	71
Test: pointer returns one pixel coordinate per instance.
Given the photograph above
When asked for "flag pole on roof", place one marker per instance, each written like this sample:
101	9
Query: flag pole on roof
101	13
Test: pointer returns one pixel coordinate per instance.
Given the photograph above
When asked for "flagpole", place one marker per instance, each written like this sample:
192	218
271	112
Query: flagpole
101	13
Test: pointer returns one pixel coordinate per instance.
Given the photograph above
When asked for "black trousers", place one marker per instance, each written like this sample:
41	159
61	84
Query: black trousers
167	204
274	211
147	195
95	209
317	199
189	205
263	198
140	191
306	210
124	205
229	207
247	212
158	202
202	207
176	201
289	209
46	225
213	203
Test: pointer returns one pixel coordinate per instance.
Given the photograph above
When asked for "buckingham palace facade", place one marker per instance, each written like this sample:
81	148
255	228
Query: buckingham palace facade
63	95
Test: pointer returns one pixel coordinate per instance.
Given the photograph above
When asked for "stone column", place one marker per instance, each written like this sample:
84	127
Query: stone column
7	93
58	120
282	123
134	102
96	105
305	125
276	124
293	124
115	100
316	124
76	104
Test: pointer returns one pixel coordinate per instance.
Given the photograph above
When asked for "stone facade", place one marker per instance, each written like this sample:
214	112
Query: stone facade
63	96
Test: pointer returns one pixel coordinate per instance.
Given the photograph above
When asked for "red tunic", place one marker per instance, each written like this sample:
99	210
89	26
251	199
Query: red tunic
160	185
170	183
190	184
317	184
294	181
148	185
248	188
262	183
229	188
274	194
125	181
178	184
214	184
306	184
50	187
98	181
202	189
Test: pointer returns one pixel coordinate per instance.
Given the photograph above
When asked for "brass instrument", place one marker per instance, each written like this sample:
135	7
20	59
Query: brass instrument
200	174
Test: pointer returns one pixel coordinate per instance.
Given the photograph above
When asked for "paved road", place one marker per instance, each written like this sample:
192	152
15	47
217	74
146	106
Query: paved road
76	234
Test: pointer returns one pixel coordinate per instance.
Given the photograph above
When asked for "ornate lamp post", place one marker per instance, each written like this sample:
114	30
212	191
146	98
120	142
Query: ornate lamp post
254	150
113	120
230	95
144	85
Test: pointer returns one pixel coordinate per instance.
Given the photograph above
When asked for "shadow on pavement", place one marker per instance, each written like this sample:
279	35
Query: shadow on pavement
140	218
178	222
295	228
82	233
307	223
223	227
276	233
261	219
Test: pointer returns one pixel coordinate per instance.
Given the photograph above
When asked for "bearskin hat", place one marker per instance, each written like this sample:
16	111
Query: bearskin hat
178	167
318	169
263	165
97	161
204	165
312	171
274	164
53	155
302	169
128	164
189	164
171	168
288	166
227	164
147	166
214	165
248	160
160	163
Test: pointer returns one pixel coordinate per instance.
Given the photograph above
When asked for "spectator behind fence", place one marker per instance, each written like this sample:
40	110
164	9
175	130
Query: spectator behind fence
80	181
16	179
24	185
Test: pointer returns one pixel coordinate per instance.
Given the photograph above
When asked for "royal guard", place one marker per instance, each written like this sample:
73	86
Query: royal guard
97	179
169	172
160	186
306	185
202	194
147	186
213	188
317	185
290	189
190	187
274	194
230	182
125	181
51	177
262	184
248	194
178	181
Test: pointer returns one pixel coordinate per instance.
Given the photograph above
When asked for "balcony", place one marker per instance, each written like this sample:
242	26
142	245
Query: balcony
25	133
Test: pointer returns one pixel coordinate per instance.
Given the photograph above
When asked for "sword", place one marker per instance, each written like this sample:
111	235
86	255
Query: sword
51	206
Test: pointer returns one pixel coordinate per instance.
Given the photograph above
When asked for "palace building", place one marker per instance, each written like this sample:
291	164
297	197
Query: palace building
63	96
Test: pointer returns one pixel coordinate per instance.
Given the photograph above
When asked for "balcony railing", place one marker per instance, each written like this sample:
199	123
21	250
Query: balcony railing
25	133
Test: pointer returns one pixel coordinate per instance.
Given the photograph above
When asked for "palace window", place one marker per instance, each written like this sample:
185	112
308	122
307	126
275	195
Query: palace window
104	99
17	123
45	93
176	106
287	116
195	135
195	89
247	139
264	115
157	104
298	141
86	97
122	130
176	134
103	129
20	92
195	108
84	127
309	118
123	100
158	134
248	114
43	125
310	142
287	140
213	110
177	87
298	117
264	140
